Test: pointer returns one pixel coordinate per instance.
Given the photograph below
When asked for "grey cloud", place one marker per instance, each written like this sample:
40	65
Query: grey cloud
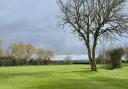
35	21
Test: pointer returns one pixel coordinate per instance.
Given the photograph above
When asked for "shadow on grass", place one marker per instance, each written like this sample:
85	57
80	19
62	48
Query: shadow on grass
101	66
119	83
31	74
84	71
10	75
125	65
91	83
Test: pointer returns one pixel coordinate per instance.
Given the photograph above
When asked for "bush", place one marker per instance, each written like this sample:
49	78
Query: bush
7	61
46	61
11	61
116	55
112	58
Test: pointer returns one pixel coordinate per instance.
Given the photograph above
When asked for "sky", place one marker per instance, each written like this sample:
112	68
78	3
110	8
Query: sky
35	21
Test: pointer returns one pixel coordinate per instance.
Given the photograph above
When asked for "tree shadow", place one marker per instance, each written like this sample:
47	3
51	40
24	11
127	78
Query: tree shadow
10	75
120	83
84	71
125	64
92	83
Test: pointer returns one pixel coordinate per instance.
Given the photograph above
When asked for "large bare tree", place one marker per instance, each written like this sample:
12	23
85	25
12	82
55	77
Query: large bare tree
93	19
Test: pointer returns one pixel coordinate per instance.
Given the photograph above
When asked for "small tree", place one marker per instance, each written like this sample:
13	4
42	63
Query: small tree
116	56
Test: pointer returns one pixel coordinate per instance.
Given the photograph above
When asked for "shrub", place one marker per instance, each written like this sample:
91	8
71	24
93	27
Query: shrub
116	55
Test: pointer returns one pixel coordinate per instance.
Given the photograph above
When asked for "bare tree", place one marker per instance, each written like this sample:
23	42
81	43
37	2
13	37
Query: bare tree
44	55
40	53
21	51
48	54
17	50
29	50
93	19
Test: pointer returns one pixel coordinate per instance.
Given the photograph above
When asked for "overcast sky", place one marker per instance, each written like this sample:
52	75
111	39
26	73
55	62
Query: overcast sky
35	21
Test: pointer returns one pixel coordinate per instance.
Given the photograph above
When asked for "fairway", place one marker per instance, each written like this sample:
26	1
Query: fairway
62	77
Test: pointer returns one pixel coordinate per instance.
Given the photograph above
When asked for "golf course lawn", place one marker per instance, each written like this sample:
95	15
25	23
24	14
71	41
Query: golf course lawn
62	77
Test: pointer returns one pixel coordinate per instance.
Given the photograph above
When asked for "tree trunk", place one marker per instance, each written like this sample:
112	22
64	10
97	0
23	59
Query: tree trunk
93	65
93	62
92	59
91	51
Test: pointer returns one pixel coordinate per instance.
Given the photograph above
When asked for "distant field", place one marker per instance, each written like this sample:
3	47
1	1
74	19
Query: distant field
62	77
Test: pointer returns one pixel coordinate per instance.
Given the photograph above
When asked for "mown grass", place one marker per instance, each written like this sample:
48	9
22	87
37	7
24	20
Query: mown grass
62	77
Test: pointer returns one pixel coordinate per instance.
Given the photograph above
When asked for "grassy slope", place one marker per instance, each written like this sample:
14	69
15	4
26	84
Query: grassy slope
62	77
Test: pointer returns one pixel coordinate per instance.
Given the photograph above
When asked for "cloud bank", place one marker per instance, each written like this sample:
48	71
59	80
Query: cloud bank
35	21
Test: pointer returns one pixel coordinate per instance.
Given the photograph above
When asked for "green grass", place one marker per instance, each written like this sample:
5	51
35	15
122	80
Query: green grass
62	77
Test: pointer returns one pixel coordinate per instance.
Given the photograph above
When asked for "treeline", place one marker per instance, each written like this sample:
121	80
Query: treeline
19	54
